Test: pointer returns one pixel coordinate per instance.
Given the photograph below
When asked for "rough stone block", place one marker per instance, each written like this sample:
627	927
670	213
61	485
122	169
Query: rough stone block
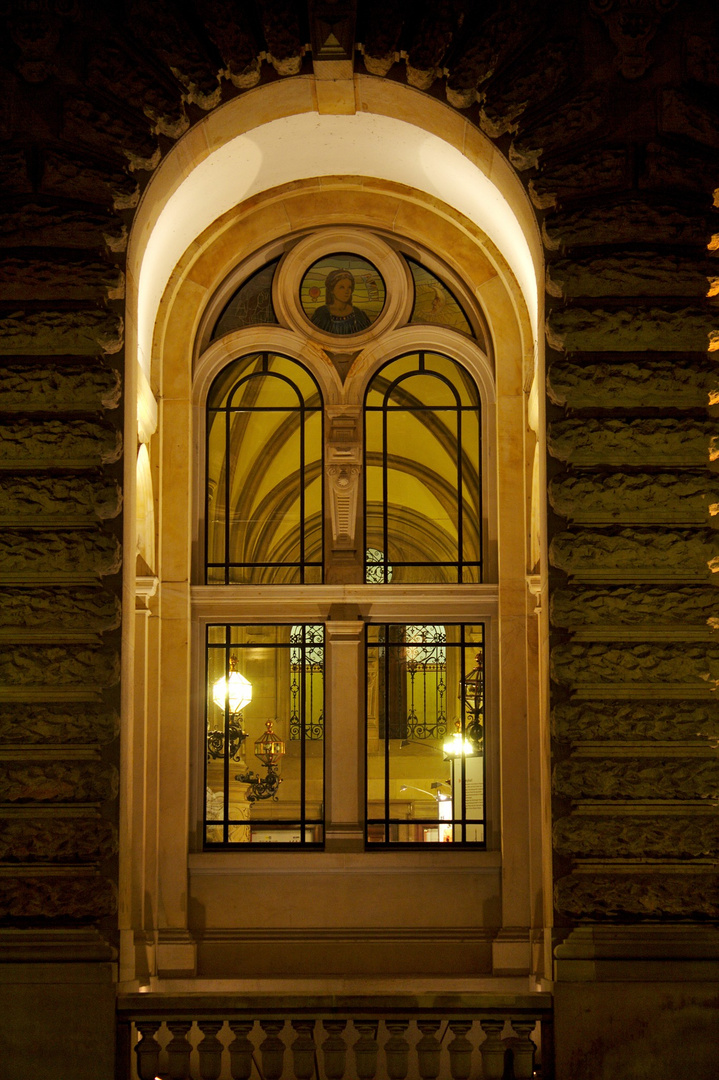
627	606
57	781
61	226
59	279
78	498
86	839
635	497
690	664
74	443
675	382
72	178
637	836
674	553
87	896
631	222
637	778
603	170
574	120
645	441
42	333
44	553
636	721
646	896
92	610
629	273
47	666
49	387
43	725
632	329
680	114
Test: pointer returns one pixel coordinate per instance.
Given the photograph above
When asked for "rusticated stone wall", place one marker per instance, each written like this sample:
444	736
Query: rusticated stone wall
614	133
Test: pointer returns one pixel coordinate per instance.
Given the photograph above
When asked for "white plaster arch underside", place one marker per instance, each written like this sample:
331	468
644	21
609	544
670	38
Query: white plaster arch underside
230	157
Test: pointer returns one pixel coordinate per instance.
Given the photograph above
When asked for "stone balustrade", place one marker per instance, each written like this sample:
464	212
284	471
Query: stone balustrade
378	1037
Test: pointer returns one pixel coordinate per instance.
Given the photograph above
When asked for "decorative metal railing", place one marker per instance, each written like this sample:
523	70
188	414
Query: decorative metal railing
378	1037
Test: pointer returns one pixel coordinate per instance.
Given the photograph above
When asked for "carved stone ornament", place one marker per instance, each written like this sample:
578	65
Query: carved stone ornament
79	498
632	24
682	497
40	554
59	665
658	383
36	29
344	487
631	606
642	441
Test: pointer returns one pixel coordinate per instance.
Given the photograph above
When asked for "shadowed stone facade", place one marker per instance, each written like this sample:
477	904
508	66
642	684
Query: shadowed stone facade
614	135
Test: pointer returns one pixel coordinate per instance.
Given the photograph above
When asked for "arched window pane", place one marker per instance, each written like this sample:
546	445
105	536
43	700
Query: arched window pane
264	474
433	301
250	305
422	461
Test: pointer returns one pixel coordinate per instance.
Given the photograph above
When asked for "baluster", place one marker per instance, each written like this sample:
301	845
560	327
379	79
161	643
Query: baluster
428	1049
241	1049
460	1050
147	1050
303	1049
396	1049
272	1049
523	1049
366	1049
210	1050
492	1049
179	1050
334	1049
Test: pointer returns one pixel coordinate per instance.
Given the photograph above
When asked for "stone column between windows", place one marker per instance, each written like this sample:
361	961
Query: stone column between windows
344	735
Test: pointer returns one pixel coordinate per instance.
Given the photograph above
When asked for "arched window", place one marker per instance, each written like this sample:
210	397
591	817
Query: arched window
403	487
422	470
264	474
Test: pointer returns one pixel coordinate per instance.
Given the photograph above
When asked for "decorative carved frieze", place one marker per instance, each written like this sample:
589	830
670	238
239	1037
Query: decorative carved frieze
681	553
57	839
37	500
687	663
73	897
606	169
80	332
629	273
638	896
636	836
49	666
576	119
637	778
42	725
635	497
628	329
644	441
42	553
61	226
628	222
627	606
43	387
57	781
91	610
674	382
636	721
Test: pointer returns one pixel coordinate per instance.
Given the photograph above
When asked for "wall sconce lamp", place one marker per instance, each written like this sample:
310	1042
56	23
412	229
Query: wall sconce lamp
269	748
458	745
231	695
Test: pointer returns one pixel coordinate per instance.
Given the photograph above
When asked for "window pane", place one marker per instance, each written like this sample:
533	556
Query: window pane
434	303
265	734
425	734
422	460
264	474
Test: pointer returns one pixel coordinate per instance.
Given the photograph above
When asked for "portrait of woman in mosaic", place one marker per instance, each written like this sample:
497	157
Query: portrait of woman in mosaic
342	294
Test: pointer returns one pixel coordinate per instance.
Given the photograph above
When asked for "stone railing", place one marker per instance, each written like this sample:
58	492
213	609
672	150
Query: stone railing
378	1037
